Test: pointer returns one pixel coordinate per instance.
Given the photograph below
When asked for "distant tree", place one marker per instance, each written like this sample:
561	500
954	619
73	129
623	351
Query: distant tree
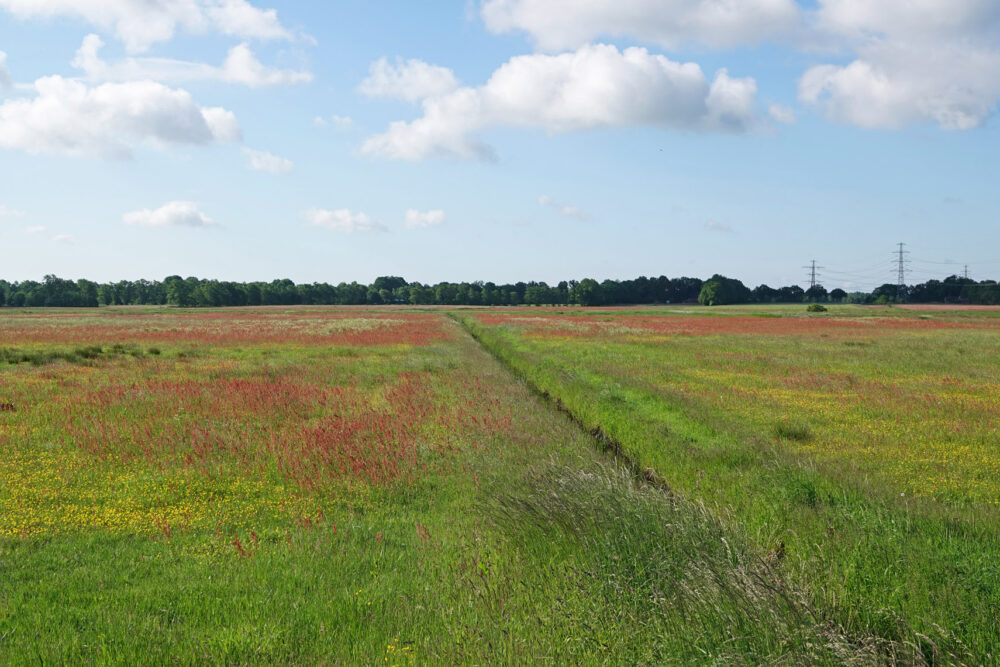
791	294
178	292
765	294
388	283
886	293
87	291
587	293
719	290
838	295
816	293
684	289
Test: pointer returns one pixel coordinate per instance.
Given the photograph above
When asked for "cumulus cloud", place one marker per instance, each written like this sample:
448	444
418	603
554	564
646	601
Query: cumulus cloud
63	238
415	219
36	229
140	24
240	67
5	80
565	24
171	214
342	220
412	80
69	117
596	86
263	161
895	85
977	19
565	210
931	61
10	213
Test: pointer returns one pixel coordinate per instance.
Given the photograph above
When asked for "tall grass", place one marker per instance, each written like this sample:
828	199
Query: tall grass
909	572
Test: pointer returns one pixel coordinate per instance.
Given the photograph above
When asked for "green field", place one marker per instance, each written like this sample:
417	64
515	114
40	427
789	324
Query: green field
404	486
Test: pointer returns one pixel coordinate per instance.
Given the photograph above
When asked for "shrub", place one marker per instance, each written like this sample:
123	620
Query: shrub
816	308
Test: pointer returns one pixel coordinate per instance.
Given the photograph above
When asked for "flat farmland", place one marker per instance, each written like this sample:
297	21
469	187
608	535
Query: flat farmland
859	446
359	485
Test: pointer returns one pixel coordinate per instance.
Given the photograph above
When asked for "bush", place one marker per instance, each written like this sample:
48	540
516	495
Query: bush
816	308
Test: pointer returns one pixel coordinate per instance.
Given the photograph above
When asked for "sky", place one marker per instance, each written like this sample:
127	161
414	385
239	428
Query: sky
499	140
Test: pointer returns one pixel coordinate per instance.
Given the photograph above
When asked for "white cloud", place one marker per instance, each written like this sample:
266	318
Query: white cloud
36	229
556	25
10	213
241	19
781	114
141	23
715	226
171	214
63	238
263	161
891	86
5	80
339	122
342	220
975	19
596	86
68	117
412	80
415	219
917	61
240	67
565	210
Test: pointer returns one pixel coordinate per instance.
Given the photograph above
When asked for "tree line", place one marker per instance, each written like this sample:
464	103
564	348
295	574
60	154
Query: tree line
53	291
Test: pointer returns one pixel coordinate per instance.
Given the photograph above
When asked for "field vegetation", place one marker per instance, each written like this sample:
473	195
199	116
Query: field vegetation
858	446
324	485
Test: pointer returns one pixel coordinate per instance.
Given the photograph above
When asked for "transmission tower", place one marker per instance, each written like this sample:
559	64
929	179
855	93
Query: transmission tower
901	271
813	273
965	274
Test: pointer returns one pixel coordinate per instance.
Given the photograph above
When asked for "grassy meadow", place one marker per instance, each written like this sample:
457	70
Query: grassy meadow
397	486
858	446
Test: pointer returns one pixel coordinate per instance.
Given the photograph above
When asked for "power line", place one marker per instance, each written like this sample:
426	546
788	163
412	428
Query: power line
812	268
901	271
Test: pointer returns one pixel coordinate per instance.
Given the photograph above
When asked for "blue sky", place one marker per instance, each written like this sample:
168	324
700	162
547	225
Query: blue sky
498	140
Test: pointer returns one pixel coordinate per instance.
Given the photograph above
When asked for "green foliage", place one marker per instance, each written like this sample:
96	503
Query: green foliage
816	308
587	293
892	567
720	291
394	290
